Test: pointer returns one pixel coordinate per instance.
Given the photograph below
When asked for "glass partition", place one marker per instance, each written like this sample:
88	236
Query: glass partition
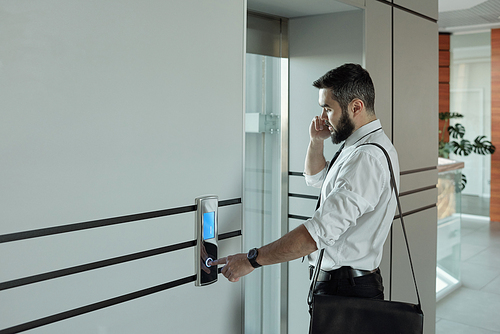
449	226
266	82
470	95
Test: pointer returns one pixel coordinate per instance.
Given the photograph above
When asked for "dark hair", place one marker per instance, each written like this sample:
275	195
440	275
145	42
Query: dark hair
348	82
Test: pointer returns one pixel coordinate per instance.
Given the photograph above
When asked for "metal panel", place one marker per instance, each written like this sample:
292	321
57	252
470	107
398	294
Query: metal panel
415	90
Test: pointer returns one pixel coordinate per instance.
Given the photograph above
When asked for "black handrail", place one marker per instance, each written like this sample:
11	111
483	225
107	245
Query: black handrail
104	222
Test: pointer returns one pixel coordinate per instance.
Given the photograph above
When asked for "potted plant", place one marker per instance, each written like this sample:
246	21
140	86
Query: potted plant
463	147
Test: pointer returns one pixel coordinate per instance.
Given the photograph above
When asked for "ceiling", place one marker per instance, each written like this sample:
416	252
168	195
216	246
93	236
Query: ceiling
468	15
454	15
297	8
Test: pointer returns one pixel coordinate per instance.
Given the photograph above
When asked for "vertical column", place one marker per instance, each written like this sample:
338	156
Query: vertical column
495	124
415	137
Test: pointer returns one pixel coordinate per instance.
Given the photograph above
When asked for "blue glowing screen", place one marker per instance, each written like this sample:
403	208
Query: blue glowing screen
209	225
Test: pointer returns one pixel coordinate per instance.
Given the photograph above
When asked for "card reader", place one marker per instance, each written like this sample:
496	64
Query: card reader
207	239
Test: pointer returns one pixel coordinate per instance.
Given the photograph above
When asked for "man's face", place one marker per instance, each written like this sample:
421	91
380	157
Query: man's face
340	124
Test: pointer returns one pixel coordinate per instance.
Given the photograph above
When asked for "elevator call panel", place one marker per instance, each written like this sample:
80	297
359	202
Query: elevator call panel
207	239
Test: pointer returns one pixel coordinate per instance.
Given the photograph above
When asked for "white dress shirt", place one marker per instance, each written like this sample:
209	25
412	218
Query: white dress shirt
357	203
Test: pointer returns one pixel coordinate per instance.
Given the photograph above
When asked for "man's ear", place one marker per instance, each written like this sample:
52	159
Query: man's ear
356	106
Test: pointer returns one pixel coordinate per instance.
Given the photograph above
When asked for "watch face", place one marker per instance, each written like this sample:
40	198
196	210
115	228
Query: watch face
252	253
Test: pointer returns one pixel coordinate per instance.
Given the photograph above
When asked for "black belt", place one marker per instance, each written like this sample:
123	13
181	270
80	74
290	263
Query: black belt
341	273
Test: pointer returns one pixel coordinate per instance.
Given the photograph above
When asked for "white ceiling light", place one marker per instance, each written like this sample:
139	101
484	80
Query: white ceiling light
450	5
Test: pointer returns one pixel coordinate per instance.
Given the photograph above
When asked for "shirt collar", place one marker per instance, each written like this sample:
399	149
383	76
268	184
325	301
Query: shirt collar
362	131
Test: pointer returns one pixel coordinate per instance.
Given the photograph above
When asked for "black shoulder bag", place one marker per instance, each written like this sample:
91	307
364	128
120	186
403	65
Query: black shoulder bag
339	314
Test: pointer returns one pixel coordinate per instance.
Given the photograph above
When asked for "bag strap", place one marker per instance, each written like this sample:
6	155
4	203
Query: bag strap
393	186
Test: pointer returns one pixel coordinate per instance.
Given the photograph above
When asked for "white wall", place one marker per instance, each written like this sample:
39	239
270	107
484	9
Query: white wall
111	108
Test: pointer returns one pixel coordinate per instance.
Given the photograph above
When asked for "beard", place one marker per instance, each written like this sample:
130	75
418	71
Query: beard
343	130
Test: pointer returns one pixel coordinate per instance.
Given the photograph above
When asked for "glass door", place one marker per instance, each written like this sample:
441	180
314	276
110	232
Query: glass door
470	95
266	96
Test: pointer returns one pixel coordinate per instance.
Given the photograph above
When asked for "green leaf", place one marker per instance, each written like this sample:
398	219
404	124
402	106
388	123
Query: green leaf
483	146
463	148
456	115
446	115
461	186
457	131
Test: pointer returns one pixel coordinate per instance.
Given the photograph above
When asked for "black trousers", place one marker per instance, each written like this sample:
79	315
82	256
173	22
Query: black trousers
369	286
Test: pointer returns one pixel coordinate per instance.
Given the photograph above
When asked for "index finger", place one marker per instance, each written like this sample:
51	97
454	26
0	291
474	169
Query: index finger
219	261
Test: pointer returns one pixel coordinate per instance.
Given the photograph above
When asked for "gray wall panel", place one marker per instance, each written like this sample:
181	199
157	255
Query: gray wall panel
378	59
171	311
71	249
415	90
93	286
423	250
65	250
415	138
418	200
113	108
100	117
62	294
418	180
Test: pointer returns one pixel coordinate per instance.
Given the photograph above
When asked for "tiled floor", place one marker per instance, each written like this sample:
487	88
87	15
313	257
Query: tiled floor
475	205
474	308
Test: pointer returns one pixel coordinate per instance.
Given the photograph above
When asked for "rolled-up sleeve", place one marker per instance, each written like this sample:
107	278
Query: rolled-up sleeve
356	190
316	180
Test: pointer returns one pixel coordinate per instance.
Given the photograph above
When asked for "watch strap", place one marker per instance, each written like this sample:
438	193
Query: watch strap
252	257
